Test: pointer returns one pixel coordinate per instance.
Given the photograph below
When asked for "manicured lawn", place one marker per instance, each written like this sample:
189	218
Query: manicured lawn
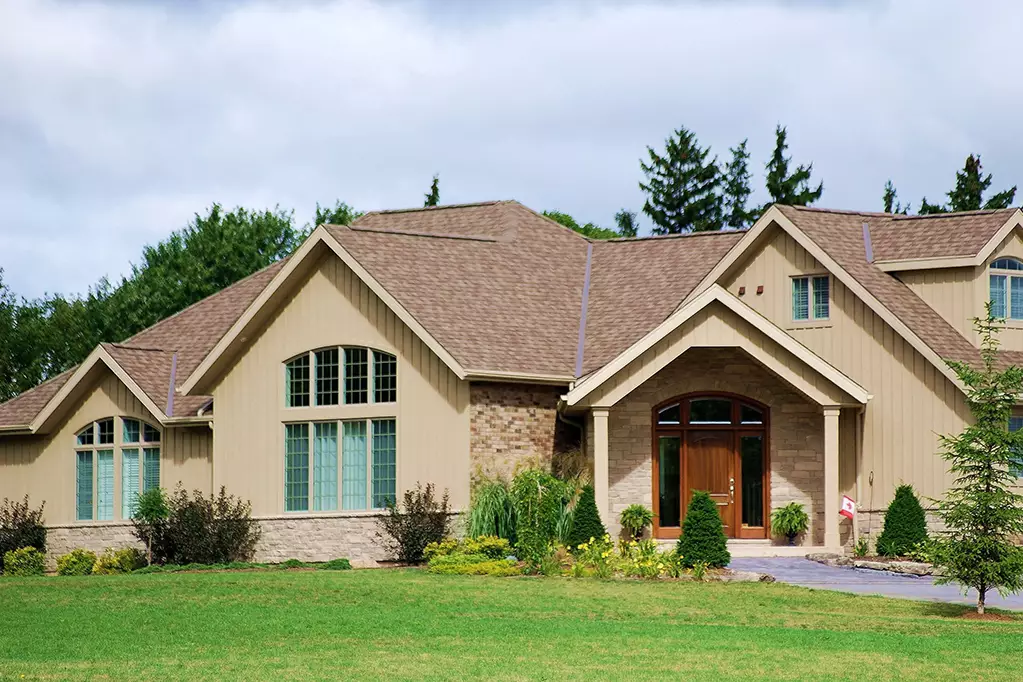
395	624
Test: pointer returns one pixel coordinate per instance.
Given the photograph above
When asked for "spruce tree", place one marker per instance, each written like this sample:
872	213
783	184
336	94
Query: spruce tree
890	199
586	522
682	186
737	189
432	198
789	188
905	524
982	512
626	222
703	534
968	193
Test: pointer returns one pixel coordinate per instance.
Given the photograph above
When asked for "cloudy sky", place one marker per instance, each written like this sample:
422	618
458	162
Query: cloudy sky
119	120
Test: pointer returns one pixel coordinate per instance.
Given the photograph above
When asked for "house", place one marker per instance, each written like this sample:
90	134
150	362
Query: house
803	359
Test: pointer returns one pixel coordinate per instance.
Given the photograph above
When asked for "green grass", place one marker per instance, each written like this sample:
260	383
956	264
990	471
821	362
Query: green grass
400	624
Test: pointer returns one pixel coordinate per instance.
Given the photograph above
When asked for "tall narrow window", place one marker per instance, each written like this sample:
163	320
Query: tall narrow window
150	469
384	462
325	466
83	485
356	376
811	298
385	377
327	379
355	473
129	482
296	467
296	382
104	485
998	298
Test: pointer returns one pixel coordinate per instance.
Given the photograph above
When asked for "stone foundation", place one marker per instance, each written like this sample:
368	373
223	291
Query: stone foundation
796	438
94	537
514	426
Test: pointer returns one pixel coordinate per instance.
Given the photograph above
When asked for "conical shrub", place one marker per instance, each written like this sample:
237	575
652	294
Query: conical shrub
586	522
703	535
905	524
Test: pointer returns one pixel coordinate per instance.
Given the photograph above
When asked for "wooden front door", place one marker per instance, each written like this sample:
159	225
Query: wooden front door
710	460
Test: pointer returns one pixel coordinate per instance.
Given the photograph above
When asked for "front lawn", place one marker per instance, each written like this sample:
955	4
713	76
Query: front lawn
403	624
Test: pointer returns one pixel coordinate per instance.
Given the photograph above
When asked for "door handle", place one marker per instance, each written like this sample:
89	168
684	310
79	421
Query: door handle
731	488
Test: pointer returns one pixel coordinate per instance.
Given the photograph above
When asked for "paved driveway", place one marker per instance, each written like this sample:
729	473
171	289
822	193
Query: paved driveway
799	571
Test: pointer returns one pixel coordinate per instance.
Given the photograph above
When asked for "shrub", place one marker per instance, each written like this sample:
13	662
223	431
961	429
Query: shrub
408	530
538	498
293	563
443	548
790	521
597	556
862	547
20	526
335	565
123	560
640	558
905	524
76	562
491	547
703	534
491	511
197	529
586	524
635	519
24	561
494	567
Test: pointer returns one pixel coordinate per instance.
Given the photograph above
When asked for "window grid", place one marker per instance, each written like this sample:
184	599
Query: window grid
998	297
296	467
325	466
821	297
811	298
297	382
384	462
150	469
356	376
327	376
131	432
129	482
104	485
83	487
150	434
87	435
98	480
800	298
385	377
105	434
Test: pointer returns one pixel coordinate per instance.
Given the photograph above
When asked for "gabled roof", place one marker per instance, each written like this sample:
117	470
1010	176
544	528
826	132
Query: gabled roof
903	242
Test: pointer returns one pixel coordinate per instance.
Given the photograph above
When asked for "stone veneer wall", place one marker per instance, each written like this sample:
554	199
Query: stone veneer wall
796	439
513	426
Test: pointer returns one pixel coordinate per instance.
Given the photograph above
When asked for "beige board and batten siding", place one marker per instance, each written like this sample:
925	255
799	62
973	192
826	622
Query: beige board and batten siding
912	400
44	466
329	307
959	294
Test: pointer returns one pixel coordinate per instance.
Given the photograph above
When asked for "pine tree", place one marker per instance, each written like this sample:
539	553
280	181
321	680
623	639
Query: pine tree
905	524
682	187
981	511
968	193
626	222
703	534
586	521
737	190
891	203
433	196
789	188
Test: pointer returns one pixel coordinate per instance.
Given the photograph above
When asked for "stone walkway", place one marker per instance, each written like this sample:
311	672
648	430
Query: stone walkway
799	571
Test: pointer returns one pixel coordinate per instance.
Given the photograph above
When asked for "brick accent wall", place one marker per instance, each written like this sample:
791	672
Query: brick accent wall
513	426
796	439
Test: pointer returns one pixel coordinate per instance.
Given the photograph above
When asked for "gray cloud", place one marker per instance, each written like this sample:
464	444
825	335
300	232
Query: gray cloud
120	120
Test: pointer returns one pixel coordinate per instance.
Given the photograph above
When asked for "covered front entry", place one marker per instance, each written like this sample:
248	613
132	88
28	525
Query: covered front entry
714	442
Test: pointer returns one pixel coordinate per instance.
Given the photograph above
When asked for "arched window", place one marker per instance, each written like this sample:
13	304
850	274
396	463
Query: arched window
350	375
95	472
1006	282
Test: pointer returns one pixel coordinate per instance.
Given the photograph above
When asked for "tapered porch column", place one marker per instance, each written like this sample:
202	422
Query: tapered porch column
600	458
831	497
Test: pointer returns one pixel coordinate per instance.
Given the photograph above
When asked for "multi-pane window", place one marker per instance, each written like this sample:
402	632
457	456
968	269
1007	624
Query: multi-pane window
1007	288
811	298
341	375
96	473
362	472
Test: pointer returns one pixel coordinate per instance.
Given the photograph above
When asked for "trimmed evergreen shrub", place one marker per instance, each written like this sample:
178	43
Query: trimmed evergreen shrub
905	524
703	535
422	519
25	561
76	562
20	526
586	523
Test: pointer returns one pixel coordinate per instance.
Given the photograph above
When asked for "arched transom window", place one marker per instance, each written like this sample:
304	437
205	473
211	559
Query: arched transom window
97	451
1007	288
348	375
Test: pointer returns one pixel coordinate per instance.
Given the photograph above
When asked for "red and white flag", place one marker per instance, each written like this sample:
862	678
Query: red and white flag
848	507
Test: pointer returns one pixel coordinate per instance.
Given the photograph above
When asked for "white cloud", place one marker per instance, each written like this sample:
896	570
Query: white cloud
120	120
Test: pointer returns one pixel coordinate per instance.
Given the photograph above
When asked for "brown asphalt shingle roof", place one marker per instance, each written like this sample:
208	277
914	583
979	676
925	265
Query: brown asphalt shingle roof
501	288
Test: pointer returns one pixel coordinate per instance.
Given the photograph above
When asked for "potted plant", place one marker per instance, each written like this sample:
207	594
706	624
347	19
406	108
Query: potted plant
635	519
790	521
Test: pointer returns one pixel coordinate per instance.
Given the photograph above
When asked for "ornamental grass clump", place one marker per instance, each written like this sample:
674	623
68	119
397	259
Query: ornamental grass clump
905	524
491	511
703	534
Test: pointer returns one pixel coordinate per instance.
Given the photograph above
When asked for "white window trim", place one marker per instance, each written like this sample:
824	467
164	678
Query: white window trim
117	448
1009	276
371	377
812	318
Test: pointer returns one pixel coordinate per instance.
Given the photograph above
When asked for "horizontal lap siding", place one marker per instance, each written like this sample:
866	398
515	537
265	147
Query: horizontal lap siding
912	401
332	307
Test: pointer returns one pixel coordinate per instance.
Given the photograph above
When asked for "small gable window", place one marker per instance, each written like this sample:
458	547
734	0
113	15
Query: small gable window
1007	288
811	298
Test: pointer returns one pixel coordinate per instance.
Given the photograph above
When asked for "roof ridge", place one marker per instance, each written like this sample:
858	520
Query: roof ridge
954	214
419	209
552	221
653	237
414	233
202	300
125	346
840	211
